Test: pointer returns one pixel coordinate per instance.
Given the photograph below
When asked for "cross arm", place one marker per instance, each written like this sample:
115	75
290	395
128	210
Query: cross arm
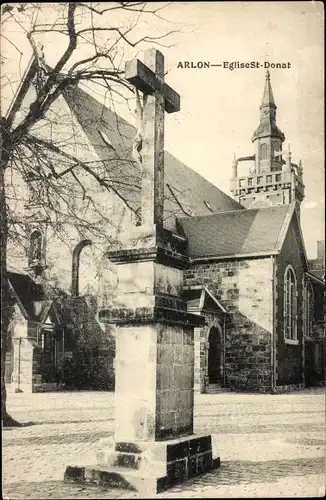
139	75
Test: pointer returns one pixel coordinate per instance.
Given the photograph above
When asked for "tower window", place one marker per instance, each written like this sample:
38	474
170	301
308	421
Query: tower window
250	181
290	306
263	151
269	178
259	180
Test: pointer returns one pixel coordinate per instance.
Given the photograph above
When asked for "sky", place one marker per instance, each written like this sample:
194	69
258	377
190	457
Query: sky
220	108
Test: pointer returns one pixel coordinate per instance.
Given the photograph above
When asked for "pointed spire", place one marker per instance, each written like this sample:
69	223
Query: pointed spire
268	98
267	126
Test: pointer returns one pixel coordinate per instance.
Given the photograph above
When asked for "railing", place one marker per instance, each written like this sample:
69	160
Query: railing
264	180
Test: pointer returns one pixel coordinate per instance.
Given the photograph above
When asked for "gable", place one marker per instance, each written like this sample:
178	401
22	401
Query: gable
293	248
26	291
199	299
32	300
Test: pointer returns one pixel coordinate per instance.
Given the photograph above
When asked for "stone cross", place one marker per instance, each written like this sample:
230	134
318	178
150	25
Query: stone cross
153	446
158	97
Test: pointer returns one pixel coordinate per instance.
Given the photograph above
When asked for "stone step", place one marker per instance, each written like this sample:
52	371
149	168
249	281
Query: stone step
47	387
216	389
117	477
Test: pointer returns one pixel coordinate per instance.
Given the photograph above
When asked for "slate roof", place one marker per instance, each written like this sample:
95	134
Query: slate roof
36	305
236	232
186	192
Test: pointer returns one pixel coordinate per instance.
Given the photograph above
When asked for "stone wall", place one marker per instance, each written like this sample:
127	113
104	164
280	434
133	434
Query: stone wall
175	358
92	346
315	343
289	357
244	288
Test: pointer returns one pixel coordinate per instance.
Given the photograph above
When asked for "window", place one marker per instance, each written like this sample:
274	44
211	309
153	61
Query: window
250	181
35	247
259	180
241	182
308	309
208	205
290	306
263	151
278	177
269	179
106	139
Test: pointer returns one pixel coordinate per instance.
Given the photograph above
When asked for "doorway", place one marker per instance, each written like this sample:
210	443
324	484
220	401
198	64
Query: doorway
215	356
51	355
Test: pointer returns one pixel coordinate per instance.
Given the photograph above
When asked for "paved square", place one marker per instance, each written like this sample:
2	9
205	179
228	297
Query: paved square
269	445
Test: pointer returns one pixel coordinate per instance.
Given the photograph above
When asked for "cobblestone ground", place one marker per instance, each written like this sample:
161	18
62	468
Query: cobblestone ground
269	445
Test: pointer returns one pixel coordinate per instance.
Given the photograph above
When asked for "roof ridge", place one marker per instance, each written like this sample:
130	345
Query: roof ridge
235	211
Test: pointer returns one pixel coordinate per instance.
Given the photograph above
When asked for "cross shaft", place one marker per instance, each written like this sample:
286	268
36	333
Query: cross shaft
158	97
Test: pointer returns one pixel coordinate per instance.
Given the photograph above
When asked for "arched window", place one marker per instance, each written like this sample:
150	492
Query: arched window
263	151
308	309
35	247
290	304
75	266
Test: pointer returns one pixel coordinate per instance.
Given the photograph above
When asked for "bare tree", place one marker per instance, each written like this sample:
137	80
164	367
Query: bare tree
96	38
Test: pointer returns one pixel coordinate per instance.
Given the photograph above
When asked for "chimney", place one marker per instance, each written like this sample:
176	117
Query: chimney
321	250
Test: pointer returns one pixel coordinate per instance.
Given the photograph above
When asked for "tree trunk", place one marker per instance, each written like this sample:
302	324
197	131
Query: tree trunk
6	419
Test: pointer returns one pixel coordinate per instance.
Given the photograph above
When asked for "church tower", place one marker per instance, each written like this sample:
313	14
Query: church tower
273	180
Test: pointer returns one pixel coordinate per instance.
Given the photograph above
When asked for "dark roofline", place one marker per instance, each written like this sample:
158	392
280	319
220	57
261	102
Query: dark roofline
253	255
235	211
315	278
21	91
19	303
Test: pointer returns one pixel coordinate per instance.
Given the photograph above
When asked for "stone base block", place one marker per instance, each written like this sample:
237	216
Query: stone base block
281	389
147	467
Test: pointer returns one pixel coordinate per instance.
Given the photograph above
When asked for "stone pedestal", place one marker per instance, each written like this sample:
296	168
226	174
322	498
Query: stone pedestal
22	376
154	446
147	467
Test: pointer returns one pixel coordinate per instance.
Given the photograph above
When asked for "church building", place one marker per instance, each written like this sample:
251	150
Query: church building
249	274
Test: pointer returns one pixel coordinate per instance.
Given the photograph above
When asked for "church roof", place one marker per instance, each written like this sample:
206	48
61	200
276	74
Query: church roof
186	191
237	233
